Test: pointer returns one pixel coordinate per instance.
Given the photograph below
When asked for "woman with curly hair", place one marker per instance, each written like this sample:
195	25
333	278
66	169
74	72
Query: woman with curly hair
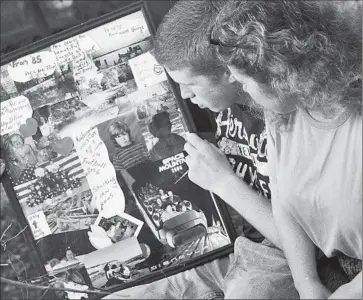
301	61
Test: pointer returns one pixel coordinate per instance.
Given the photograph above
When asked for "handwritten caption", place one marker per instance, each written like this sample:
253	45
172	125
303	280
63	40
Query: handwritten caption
82	65
37	65
14	112
146	70
100	173
38	224
87	44
67	51
131	28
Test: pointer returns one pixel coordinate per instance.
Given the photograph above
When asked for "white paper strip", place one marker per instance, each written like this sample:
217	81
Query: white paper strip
100	173
14	112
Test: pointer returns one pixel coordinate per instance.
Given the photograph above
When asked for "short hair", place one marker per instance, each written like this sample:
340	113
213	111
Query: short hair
294	50
118	127
181	39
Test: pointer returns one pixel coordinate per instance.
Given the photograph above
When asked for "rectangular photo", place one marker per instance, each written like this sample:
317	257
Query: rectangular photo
117	264
70	213
176	210
99	89
107	231
120	56
53	88
154	99
161	121
125	143
111	77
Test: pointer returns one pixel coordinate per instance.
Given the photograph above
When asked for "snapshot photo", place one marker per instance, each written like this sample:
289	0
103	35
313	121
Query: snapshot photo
116	228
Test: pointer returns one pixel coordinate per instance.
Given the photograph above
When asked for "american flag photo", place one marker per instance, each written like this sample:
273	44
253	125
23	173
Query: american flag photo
70	164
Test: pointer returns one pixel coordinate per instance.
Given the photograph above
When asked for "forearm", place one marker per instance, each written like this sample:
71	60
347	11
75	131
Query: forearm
254	208
298	248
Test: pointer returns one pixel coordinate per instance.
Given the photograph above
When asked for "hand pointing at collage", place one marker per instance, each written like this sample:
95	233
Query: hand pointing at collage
208	166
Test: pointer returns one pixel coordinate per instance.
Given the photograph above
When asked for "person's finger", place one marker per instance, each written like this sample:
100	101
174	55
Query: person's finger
196	141
190	149
188	160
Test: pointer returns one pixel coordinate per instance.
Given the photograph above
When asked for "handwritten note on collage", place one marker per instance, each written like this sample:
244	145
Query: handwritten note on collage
60	108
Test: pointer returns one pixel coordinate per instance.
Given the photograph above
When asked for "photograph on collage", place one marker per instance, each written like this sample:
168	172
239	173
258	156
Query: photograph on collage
160	120
93	140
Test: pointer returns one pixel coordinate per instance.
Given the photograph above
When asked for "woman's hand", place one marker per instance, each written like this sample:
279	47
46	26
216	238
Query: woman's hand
208	166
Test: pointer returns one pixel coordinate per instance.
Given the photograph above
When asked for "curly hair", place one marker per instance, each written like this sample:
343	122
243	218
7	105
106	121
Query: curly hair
297	50
181	39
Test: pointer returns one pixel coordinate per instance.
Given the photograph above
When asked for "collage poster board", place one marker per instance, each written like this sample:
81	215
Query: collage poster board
92	134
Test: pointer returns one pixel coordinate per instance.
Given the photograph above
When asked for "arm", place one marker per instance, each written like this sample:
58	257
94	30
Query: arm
300	253
210	169
351	290
297	246
253	207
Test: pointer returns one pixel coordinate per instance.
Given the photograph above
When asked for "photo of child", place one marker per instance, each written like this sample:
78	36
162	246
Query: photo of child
23	154
127	153
125	143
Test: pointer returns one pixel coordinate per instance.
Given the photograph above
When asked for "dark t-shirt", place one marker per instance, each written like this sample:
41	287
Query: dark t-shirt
242	137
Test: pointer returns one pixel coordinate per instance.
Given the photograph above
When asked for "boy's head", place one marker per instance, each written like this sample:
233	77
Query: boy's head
120	134
160	124
182	46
